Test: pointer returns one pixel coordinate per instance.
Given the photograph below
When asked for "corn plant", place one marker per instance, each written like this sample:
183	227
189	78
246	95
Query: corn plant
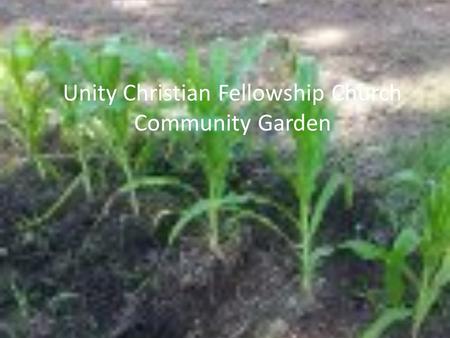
24	92
396	271
428	282
96	128
309	160
394	260
422	159
434	252
75	118
214	149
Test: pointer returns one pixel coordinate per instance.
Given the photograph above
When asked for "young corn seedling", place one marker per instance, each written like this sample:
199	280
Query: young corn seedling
434	252
96	127
75	118
310	149
394	260
111	67
24	92
214	149
397	276
432	247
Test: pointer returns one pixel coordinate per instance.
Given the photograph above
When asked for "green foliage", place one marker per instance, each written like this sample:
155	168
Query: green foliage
434	251
431	245
213	150
428	155
98	134
394	260
304	175
389	317
34	72
24	92
413	162
310	158
97	128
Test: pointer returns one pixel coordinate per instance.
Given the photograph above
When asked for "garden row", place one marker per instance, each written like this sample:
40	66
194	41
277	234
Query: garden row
97	137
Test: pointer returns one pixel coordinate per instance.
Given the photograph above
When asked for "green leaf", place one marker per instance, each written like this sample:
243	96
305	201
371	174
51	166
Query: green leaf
365	250
409	177
327	193
54	208
261	220
385	321
435	254
406	242
152	182
394	279
396	265
140	183
165	65
22	54
202	207
429	293
268	203
320	253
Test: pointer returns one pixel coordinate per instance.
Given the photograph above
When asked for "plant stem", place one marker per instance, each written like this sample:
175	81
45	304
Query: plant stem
133	197
306	262
86	176
213	215
38	163
214	229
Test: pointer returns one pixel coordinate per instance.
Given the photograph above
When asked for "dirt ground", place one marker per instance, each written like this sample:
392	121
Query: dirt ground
361	42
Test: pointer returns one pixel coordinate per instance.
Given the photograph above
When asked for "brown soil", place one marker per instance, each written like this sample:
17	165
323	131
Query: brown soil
116	278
